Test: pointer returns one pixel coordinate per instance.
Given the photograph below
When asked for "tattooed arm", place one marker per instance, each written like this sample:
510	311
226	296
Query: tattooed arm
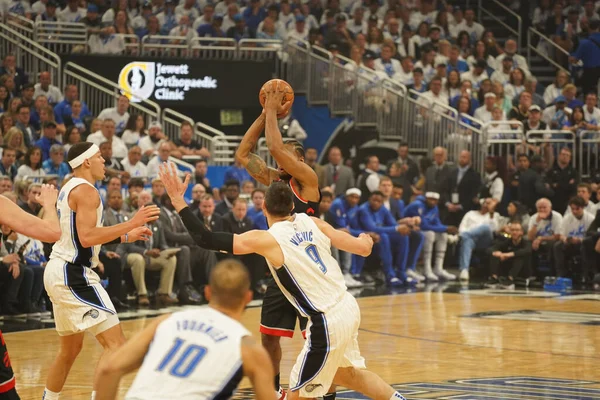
255	165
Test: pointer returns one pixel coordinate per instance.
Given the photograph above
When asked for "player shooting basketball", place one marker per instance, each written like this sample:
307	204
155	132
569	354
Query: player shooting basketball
278	317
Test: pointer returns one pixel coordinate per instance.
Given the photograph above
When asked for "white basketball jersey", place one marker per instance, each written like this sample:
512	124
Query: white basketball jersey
195	354
68	247
310	277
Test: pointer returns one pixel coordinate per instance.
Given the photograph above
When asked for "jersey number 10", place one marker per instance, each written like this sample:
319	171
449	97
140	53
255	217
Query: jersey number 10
313	253
187	360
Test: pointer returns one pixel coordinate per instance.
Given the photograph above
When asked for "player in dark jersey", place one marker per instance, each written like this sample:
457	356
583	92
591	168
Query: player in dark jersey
278	316
46	230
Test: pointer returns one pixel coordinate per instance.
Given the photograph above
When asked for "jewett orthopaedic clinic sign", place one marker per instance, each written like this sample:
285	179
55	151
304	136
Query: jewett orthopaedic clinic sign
181	82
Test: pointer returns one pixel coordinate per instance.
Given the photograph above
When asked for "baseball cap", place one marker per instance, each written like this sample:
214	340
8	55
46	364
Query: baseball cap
369	55
92	8
560	99
51	3
534	107
340	18
373	18
48	124
155	124
353	191
300	18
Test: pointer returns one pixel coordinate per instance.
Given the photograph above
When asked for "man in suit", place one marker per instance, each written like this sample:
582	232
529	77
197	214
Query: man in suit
410	169
310	158
232	192
463	190
368	180
206	213
531	184
337	176
438	175
9	67
177	236
151	255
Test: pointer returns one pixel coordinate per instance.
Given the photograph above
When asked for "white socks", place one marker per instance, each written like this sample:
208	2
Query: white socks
93	395
49	395
397	396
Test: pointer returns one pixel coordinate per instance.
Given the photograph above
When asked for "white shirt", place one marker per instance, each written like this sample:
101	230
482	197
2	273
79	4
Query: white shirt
295	35
193	13
497	188
428	70
483	114
53	93
146	144
119	148
405	78
551	93
518	61
474	219
38	8
511	91
114	44
130	137
573	227
67	15
113	114
500	76
475	31
26	171
590	207
152	167
372	180
137	170
390	67
475	80
546	227
592	117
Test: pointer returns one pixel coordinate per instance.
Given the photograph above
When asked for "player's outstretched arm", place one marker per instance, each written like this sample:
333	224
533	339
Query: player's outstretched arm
84	200
360	245
285	159
258	368
255	165
47	229
124	360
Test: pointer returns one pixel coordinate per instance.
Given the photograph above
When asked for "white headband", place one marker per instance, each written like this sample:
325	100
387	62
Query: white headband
432	195
89	153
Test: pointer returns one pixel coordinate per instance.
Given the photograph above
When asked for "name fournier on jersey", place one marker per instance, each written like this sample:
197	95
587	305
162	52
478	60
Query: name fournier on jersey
215	334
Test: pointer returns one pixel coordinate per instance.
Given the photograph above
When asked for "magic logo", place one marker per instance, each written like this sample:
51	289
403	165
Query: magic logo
142	80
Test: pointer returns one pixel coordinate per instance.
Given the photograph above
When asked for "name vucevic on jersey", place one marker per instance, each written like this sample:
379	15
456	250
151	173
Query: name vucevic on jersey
300	237
215	334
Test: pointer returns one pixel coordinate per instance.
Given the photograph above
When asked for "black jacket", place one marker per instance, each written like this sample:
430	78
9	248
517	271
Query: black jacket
532	188
523	249
216	221
231	225
564	183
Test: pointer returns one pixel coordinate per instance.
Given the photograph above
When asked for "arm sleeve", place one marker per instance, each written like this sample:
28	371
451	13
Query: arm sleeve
220	241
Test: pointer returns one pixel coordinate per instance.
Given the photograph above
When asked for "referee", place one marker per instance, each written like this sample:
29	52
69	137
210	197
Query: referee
589	52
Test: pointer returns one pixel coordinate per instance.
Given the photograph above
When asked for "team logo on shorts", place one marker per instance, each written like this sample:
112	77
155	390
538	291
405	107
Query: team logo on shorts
137	80
311	388
92	313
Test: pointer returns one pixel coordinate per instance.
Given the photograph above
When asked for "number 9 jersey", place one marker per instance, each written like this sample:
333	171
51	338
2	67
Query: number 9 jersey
195	354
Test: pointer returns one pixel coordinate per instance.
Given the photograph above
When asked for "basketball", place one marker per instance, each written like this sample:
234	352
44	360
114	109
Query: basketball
288	96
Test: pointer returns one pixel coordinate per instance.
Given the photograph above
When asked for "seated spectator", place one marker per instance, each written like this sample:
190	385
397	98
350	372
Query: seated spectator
56	164
516	212
425	207
592	112
6	184
521	112
510	50
570	94
92	20
534	120
433	95
186	145
590	252
455	63
107	134
201	169
584	191
48	139
150	143
187	8
4	98
426	63
232	192
476	232
151	29
212	29
72	12
167	19
503	75
571	234
32	206
134	130
516	84
257	199
556	116
247	188
27	95
118	114
71	137
544	229
164	152
12	277
453	84
63	109
476	75
134	188
8	165
14	140
502	100
236	220
206	213
32	165
469	25
132	163
300	29
373	217
530	85
107	41
511	257
158	191
576	123
555	89
41	102
122	26
493	184
113	167
9	67
240	31
23	115
484	113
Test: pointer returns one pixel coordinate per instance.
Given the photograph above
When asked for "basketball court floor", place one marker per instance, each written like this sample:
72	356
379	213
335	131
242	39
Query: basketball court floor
434	342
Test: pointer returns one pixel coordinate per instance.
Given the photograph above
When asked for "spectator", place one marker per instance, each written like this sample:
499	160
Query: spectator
134	130
368	180
433	95
425	207
571	233
484	113
9	67
563	179
341	36
534	120
530	85
476	231
27	95
118	114
240	31
198	191
584	191
454	61
232	192
310	158
48	139
92	20
132	163
32	206
588	52
236	220
4	97
7	165
257	198
247	188
358	24
167	18
14	140
570	94
149	144
438	175
212	29
32	165
107	42
23	117
76	118
502	101
474	29
503	75
113	167
71	137
463	190
158	190
338	176
531	184
510	50
521	112
386	63
107	134
493	184
476	75
236	172
373	217
72	12
300	30
151	28
254	14
513	255
409	166
516	84
187	145
590	251
555	89
200	175
544	229
206	213
6	184
556	116
592	112
63	109
41	102
56	164
188	8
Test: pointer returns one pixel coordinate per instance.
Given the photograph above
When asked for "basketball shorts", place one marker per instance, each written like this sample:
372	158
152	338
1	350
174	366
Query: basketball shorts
278	316
79	300
331	343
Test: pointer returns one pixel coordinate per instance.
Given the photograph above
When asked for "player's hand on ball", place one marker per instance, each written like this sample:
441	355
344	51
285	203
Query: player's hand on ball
146	214
142	233
47	197
173	184
274	98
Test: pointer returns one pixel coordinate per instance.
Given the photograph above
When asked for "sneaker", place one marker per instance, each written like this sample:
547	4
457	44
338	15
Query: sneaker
464	275
431	277
366	280
507	284
445	275
415	275
492	283
410	281
395	282
352	283
281	394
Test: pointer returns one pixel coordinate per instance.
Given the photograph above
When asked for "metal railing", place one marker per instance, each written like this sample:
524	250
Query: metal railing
391	109
295	65
171	122
318	76
165	46
259	49
32	57
214	48
132	43
544	47
100	93
62	37
589	155
208	136
343	77
20	24
517	30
